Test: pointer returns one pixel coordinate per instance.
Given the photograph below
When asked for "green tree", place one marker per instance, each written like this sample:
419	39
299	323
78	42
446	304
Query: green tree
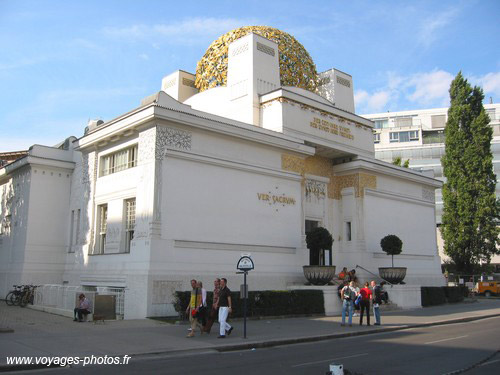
469	225
398	161
318	240
391	245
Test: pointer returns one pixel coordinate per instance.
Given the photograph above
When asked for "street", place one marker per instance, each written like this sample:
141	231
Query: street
431	350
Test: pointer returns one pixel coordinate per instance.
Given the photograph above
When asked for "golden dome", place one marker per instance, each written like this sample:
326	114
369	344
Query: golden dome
296	66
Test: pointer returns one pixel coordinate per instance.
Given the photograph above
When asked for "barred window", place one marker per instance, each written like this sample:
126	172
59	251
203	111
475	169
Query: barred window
102	226
129	222
119	161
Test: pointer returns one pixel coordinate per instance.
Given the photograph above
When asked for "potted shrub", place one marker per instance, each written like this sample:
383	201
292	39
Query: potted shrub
392	245
318	240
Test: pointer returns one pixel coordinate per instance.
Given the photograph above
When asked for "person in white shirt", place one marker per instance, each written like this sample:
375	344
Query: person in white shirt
82	308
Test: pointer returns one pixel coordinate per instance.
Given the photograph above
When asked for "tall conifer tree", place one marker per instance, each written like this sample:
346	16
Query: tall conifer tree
469	225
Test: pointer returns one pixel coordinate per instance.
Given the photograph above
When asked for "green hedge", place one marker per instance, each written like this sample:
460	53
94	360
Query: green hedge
266	303
445	294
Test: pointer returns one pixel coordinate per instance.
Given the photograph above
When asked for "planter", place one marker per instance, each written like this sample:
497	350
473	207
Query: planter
319	275
394	275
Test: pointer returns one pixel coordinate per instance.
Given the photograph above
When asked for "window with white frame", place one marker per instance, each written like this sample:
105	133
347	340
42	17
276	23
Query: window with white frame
381	123
129	222
407	136
102	225
119	161
394	137
376	137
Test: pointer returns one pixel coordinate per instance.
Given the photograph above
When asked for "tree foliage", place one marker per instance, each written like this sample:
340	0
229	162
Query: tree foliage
317	240
399	162
470	212
391	245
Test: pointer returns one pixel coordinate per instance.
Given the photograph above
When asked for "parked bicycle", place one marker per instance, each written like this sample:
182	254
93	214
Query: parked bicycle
28	295
21	295
13	295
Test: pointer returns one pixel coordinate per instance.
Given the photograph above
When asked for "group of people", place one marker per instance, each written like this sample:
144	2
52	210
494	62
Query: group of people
371	294
200	316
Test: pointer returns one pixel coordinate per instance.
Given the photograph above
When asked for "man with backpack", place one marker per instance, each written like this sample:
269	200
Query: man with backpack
377	300
348	295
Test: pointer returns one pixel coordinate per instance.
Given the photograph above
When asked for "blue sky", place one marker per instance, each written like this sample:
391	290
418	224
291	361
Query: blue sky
65	62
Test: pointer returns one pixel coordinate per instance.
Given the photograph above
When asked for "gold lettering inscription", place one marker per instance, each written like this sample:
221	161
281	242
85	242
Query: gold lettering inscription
276	199
263	197
332	128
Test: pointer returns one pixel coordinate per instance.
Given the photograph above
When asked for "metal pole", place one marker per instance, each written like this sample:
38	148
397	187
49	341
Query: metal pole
245	306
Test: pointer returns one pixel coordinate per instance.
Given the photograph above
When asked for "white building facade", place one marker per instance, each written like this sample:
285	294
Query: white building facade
181	186
418	136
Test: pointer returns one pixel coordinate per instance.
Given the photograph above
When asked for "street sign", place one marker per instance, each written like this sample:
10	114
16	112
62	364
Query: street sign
245	263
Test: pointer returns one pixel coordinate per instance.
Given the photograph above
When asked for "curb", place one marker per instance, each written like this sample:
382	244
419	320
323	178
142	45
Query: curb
278	342
267	344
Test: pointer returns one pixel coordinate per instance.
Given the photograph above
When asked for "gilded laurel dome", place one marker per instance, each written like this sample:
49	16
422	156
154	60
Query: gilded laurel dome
296	66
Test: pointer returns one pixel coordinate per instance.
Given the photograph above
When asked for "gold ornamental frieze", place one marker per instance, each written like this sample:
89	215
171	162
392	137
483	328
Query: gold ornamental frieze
320	166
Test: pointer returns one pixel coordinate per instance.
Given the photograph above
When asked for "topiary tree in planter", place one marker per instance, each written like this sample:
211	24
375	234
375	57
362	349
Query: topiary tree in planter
392	245
318	240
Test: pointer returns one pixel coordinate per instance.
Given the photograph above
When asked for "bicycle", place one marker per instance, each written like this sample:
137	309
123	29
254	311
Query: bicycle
28	295
12	297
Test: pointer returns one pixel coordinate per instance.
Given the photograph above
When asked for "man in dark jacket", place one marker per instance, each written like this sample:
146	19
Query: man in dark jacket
377	300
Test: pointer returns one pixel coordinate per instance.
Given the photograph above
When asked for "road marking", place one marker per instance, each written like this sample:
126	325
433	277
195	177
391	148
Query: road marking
329	360
489	363
451	338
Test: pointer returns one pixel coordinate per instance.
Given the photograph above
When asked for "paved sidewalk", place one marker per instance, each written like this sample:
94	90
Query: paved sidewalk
41	334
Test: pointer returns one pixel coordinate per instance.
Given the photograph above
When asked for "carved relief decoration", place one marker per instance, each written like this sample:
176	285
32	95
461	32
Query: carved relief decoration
174	138
88	167
292	163
318	189
358	181
428	195
147	140
320	166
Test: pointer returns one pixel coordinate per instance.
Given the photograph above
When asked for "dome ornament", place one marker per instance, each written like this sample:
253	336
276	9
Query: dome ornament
297	68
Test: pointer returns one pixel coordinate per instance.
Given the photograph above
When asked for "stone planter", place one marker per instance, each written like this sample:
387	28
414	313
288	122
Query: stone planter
394	275
319	275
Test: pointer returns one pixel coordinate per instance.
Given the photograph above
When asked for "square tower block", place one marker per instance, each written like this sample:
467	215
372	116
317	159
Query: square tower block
253	70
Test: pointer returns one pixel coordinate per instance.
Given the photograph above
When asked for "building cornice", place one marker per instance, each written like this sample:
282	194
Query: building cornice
374	166
132	121
283	95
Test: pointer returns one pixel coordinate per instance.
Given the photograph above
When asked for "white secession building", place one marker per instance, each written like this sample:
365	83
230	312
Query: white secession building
237	159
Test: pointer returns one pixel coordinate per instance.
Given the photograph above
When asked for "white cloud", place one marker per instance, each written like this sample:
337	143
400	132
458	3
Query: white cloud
375	102
428	88
185	31
144	56
490	83
430	27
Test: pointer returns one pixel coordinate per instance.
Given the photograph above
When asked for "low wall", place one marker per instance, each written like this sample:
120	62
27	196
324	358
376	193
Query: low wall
333	304
404	296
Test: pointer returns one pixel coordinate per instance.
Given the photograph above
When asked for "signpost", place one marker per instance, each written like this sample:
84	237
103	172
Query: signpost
245	264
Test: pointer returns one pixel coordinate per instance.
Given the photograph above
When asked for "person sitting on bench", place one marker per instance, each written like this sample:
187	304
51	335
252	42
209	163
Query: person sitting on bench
83	308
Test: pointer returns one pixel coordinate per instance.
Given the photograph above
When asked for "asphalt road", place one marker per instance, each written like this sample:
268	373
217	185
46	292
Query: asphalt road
432	350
